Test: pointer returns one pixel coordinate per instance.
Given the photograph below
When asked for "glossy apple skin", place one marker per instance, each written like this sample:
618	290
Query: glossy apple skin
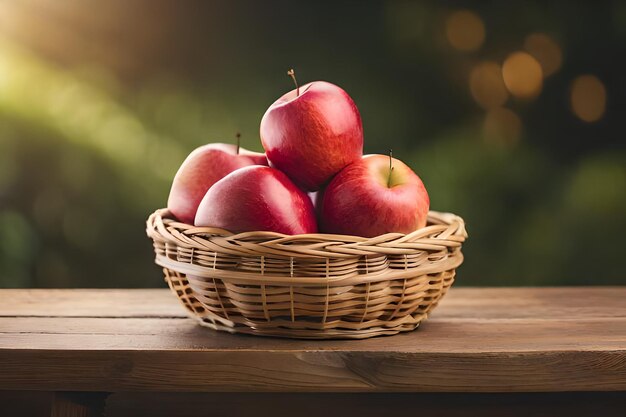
204	167
313	196
358	201
311	137
257	198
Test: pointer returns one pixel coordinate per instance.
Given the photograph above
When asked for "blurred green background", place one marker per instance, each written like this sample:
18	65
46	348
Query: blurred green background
512	113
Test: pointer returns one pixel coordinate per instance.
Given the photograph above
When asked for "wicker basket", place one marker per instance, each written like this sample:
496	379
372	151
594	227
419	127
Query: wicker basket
308	286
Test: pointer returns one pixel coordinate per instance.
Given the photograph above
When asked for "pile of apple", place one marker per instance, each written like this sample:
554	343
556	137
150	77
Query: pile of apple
313	176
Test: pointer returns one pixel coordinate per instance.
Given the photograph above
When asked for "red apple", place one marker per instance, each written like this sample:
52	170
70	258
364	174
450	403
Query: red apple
368	199
203	168
311	133
257	198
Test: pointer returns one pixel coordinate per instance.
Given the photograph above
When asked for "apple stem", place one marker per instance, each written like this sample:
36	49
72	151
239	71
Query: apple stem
292	74
238	136
390	168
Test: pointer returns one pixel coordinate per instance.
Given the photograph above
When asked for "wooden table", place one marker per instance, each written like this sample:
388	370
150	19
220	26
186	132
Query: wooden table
503	351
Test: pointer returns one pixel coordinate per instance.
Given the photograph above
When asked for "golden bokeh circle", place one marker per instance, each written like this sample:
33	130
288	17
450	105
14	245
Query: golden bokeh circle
465	30
546	51
487	86
522	75
588	98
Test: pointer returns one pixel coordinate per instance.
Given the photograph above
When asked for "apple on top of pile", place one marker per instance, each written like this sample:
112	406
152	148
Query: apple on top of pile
313	141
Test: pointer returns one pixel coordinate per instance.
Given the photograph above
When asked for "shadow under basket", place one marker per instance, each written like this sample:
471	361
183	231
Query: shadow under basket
315	286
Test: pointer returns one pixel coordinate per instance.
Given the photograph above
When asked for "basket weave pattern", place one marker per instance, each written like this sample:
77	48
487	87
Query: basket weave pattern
308	286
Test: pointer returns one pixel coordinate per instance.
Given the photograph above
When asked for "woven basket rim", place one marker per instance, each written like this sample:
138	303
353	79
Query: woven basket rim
453	225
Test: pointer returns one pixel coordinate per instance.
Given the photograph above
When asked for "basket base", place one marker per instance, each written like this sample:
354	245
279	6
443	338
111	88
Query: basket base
180	287
306	333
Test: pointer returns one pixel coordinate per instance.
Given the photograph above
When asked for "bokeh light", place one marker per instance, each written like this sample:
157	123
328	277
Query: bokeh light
502	126
465	30
522	75
588	98
487	86
546	51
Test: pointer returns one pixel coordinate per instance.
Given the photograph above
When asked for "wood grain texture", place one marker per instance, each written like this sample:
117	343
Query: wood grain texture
465	303
478	340
89	303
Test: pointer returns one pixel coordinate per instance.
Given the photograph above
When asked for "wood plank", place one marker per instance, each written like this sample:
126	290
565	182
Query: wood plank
573	339
538	302
544	302
156	302
434	336
177	355
313	371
